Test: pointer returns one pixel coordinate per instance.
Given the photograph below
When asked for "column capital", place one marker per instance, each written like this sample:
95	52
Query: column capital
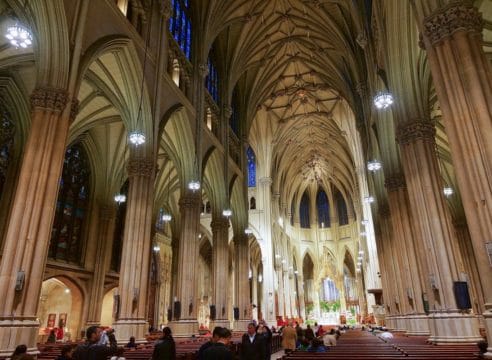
74	109
412	131
203	70
51	99
394	182
384	211
190	201
454	17
227	110
166	10
140	167
219	223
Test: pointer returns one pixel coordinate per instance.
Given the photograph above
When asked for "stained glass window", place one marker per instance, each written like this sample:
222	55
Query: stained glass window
304	212
323	209
6	143
71	205
180	25
212	80
250	154
341	208
119	231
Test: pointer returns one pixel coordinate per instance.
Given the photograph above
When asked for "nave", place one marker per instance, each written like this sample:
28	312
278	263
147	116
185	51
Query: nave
202	163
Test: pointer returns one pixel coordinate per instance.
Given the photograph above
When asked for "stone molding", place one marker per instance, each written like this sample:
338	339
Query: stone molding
394	182
50	99
74	109
457	16
140	167
190	201
218	224
412	131
203	70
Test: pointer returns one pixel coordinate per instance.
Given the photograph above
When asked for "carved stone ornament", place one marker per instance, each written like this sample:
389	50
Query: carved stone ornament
219	224
203	70
394	182
49	99
190	201
227	111
140	167
457	16
413	131
74	109
166	10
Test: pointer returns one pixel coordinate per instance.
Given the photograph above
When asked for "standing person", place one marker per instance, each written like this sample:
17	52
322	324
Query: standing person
220	350
213	340
51	338
165	348
252	344
289	338
91	349
309	333
267	334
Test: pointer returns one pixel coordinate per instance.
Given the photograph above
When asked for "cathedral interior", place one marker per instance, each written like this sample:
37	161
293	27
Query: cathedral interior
196	163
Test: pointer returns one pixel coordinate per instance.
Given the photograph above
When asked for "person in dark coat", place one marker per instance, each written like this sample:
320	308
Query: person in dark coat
165	348
213	340
91	350
252	344
267	336
66	352
220	350
309	333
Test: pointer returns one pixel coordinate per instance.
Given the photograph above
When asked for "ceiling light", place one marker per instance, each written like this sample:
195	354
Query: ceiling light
19	36
296	272
369	199
166	217
67	291
194	185
260	278
363	233
120	198
383	100
277	256
157	248
365	222
361	252
137	138
227	212
448	191
374	165
248	231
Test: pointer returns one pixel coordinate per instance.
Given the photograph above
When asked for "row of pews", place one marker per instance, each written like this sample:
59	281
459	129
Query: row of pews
358	345
186	349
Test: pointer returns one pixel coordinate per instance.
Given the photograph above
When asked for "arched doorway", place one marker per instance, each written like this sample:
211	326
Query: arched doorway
60	306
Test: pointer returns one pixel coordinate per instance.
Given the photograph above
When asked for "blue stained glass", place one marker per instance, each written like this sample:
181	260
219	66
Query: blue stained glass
323	209
304	211
341	208
180	26
251	167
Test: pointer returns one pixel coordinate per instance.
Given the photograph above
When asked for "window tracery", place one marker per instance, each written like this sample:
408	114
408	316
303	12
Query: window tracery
180	25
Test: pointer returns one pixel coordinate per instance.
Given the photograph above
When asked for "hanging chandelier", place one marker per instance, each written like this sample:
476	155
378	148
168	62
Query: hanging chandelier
383	100
19	36
194	185
374	165
448	191
166	217
137	138
227	212
120	198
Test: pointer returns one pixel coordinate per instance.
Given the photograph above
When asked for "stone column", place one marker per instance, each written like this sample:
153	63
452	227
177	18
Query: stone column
302	303
408	261
187	254
434	238
287	294
241	248
104	244
463	82
135	254
220	269
280	292
254	295
28	231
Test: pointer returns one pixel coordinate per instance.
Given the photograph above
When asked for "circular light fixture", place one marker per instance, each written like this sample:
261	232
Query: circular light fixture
166	217
248	231
369	199
120	198
365	222
157	248
296	272
194	185
448	191
374	165
67	291
383	100
137	138
19	36
227	212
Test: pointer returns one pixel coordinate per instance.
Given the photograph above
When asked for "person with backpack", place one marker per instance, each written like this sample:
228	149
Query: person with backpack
91	350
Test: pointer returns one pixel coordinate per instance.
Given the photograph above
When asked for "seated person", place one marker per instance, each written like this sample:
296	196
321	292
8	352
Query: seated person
131	344
330	339
316	346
